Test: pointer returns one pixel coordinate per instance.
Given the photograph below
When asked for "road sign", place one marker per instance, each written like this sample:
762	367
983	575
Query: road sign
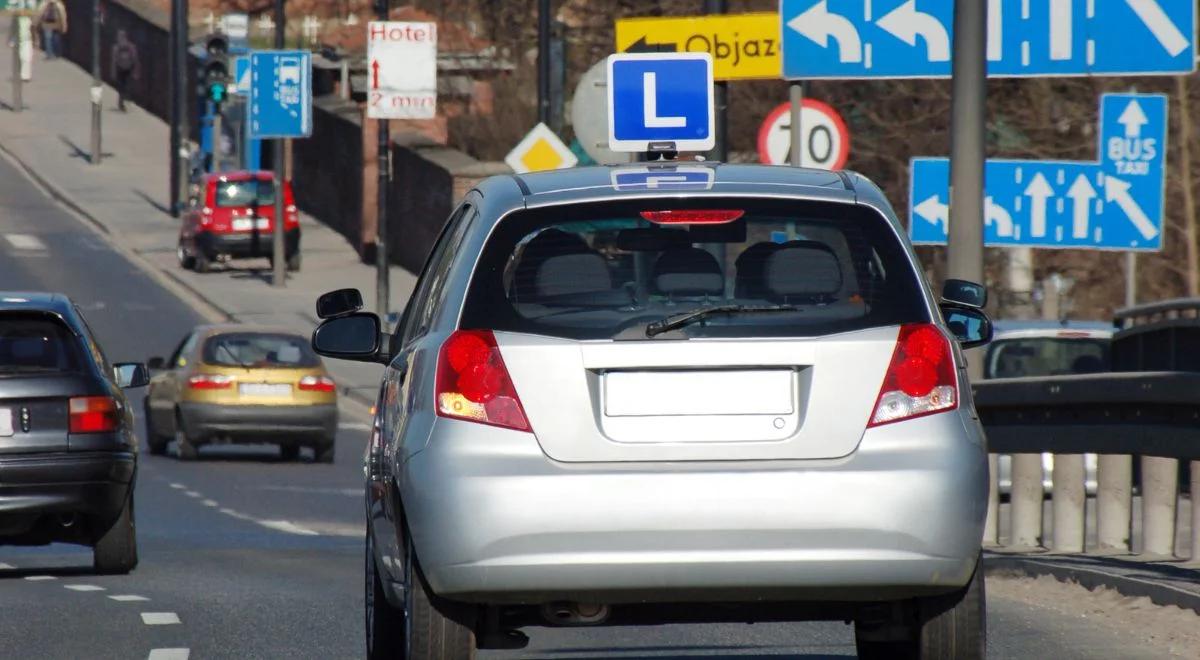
236	26
402	70
911	39
826	139
540	150
662	178
664	100
241	75
743	46
589	115
280	94
1115	203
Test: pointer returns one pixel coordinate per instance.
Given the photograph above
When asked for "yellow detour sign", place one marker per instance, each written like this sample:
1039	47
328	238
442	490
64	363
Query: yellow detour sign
540	150
743	46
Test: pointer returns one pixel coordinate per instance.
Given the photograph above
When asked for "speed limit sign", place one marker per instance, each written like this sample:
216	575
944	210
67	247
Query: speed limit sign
825	139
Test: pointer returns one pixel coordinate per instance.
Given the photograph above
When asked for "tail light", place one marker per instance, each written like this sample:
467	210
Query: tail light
473	384
93	414
921	379
693	217
206	216
291	217
317	384
209	381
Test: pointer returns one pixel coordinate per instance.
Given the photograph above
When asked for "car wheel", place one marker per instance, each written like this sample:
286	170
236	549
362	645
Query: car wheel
293	263
948	627
187	450
385	625
114	550
186	261
201	262
156	442
289	452
432	633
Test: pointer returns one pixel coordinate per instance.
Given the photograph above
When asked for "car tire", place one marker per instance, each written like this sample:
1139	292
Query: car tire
114	550
433	634
186	261
385	625
948	627
201	262
187	450
156	442
289	452
293	263
324	453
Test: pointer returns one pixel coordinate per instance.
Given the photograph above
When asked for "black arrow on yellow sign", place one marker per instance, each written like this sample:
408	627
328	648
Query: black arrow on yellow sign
643	46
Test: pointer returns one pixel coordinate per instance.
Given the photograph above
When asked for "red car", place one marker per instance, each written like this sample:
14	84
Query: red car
231	216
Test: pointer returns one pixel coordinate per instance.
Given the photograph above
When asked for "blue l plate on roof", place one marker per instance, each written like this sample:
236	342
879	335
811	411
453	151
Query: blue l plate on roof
660	102
662	178
843	39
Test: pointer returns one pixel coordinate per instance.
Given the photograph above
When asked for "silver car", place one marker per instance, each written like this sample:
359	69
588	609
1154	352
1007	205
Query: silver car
672	393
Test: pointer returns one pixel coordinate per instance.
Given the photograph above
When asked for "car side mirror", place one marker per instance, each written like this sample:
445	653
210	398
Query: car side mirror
970	326
967	294
131	374
354	336
337	303
156	364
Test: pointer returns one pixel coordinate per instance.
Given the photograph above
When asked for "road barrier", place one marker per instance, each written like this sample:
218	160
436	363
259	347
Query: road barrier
1149	408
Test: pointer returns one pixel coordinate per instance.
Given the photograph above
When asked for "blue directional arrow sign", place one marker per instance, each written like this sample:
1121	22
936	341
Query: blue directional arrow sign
912	38
1115	203
280	94
660	99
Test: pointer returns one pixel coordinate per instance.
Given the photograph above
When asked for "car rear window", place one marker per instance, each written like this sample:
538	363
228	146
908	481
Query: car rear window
1046	356
37	343
607	270
245	193
259	351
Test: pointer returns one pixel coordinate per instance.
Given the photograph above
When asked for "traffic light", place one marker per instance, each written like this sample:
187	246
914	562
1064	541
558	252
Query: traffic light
215	81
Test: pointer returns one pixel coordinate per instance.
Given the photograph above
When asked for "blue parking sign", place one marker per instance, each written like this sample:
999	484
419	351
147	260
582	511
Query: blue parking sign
280	94
662	101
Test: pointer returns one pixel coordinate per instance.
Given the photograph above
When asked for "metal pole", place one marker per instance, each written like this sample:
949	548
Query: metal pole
383	167
1130	279
179	105
278	247
19	33
720	150
968	145
543	61
344	86
97	84
796	96
216	138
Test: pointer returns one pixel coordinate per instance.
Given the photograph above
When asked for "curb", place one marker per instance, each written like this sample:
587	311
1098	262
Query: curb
1158	590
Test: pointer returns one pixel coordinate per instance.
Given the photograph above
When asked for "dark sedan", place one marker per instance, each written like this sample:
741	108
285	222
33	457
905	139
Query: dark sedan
68	454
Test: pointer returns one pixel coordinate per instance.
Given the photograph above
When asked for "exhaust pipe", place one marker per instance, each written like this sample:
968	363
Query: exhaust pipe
570	613
67	519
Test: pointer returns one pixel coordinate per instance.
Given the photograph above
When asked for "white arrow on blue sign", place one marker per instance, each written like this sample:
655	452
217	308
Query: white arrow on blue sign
1115	203
843	39
660	100
280	94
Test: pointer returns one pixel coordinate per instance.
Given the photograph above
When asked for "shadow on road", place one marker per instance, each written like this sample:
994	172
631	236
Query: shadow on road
56	571
160	207
704	652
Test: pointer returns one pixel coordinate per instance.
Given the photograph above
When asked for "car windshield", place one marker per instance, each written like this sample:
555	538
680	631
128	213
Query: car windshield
259	350
609	270
37	343
245	193
1046	356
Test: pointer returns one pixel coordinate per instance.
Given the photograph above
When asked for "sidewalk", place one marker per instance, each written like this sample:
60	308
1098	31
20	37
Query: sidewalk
126	197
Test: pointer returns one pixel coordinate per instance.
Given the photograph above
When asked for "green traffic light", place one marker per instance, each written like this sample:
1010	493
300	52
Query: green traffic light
216	92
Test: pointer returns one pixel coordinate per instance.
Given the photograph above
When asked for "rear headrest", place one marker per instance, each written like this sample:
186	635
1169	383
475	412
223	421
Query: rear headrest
584	272
751	267
803	268
688	272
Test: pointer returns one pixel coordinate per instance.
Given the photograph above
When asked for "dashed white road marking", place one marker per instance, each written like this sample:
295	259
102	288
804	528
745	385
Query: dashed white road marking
286	526
38	578
84	587
211	503
315	490
354	426
178	486
160	618
25	241
128	598
169	654
191	493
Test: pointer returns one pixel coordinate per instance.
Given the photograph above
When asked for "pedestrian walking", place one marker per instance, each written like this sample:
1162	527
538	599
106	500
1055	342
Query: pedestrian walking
52	21
20	34
126	66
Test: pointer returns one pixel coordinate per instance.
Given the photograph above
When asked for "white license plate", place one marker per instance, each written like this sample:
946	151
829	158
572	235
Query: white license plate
245	224
6	427
265	389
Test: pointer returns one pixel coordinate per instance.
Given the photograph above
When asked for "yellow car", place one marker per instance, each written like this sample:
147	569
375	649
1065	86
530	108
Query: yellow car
242	384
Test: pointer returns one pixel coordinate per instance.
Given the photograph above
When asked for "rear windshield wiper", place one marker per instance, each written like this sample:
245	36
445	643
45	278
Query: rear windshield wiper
671	323
229	352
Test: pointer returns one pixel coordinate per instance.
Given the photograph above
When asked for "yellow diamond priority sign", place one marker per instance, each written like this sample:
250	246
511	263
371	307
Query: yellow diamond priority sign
540	150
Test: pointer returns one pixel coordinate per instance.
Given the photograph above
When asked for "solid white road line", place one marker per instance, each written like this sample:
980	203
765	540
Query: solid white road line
128	598
25	241
169	654
83	587
38	578
285	526
191	493
160	618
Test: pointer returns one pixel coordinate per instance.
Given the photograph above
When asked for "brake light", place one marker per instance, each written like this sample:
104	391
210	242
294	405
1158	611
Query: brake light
209	381
693	217
92	414
206	216
317	384
921	378
473	384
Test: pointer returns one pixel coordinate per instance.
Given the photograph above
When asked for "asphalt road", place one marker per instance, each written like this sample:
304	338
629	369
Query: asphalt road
243	556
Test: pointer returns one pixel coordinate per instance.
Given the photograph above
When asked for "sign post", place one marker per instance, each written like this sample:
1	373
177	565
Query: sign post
280	108
402	61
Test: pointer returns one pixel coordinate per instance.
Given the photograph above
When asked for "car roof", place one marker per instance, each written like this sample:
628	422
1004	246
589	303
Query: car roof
43	301
1036	329
238	175
215	329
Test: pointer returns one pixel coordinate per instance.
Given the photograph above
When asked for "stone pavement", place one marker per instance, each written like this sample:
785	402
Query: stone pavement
126	195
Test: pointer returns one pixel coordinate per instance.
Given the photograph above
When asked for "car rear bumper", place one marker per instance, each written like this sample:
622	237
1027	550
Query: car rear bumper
92	483
209	421
245	244
494	520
